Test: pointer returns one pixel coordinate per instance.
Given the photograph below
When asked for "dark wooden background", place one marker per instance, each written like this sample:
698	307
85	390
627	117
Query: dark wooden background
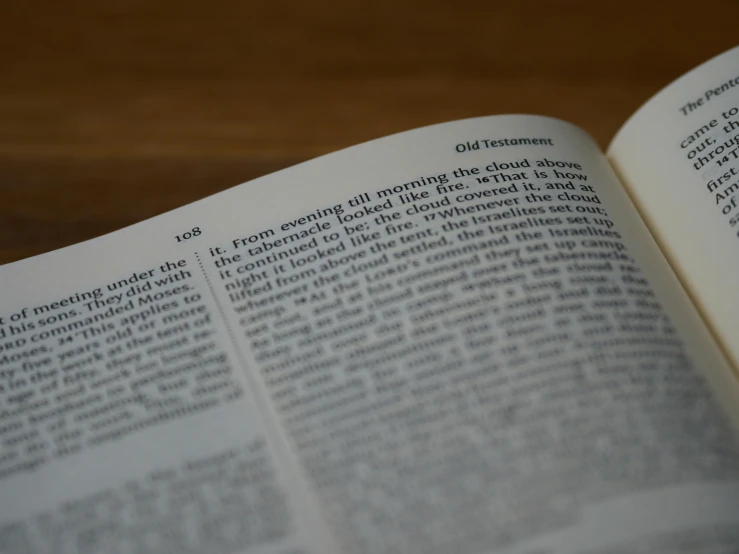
114	111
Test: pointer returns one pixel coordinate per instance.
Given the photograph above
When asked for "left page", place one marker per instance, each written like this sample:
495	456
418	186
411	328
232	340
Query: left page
127	421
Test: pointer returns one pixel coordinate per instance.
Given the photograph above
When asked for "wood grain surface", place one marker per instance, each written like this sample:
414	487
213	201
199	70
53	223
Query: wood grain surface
114	111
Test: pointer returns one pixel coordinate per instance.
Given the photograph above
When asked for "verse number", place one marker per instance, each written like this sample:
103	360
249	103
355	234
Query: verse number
194	232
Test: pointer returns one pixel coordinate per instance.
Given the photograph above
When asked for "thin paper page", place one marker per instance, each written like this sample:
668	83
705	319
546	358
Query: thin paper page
127	420
473	350
679	158
464	334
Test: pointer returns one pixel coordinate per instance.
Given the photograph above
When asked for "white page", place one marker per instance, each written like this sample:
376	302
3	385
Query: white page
165	448
423	370
679	157
227	222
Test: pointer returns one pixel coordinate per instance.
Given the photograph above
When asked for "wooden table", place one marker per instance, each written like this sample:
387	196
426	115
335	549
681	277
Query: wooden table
114	111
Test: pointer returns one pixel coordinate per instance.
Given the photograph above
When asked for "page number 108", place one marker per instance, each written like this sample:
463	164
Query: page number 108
194	232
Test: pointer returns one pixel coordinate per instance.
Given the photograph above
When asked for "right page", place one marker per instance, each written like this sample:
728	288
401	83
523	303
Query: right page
484	350
678	156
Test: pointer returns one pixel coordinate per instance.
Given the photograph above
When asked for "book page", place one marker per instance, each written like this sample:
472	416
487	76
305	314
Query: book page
127	421
679	157
457	338
481	349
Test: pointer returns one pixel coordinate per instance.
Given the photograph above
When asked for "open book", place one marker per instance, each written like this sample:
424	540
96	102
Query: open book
481	336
